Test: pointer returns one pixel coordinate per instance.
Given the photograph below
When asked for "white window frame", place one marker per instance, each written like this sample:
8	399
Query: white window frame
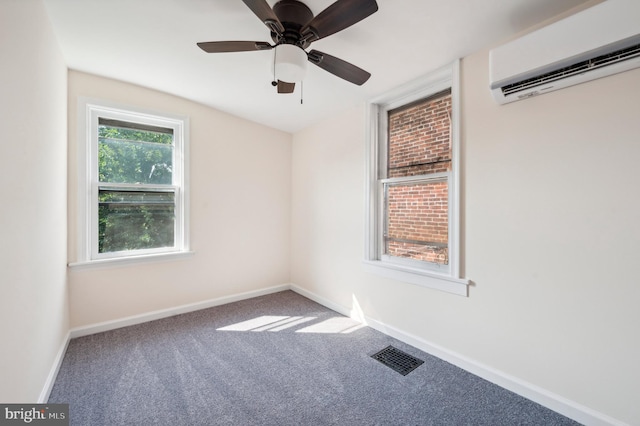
89	113
431	275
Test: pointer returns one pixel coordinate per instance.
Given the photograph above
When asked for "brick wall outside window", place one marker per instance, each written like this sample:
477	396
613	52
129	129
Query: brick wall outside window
416	224
419	137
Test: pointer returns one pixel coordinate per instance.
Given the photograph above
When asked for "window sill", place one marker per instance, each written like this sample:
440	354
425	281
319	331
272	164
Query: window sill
131	260
419	277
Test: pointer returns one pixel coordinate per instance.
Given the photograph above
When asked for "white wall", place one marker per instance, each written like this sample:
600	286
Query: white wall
33	151
240	190
550	232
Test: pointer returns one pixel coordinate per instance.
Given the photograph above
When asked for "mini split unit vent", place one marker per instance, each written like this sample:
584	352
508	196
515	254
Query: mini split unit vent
596	42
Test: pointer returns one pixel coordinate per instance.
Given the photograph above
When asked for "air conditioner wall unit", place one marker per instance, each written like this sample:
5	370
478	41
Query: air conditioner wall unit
596	42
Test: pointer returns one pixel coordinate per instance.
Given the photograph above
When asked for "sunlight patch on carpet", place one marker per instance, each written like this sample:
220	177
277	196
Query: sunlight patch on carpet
340	325
275	323
254	323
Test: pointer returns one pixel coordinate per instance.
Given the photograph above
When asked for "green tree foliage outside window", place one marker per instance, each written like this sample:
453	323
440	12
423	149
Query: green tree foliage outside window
136	199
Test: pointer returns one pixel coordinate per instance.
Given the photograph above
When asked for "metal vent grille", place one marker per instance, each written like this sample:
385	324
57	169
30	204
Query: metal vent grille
397	360
578	68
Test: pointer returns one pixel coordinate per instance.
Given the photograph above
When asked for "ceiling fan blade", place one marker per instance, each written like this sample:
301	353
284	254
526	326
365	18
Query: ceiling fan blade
233	46
340	15
264	12
338	67
284	87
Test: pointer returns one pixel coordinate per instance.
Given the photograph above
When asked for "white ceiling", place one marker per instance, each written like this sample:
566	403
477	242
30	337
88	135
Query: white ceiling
152	43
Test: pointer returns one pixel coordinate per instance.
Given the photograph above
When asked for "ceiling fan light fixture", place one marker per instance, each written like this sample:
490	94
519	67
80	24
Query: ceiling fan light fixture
290	63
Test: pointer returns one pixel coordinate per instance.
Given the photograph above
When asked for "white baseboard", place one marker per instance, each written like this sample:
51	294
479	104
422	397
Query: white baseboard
53	373
557	403
321	300
169	312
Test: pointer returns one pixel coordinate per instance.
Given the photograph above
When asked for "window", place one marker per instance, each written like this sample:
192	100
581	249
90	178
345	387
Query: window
413	218
133	190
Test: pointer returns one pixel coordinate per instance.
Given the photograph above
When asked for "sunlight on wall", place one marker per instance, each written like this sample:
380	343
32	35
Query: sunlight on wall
356	311
334	325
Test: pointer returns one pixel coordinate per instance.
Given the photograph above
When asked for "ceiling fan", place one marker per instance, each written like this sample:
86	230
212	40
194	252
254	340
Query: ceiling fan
293	28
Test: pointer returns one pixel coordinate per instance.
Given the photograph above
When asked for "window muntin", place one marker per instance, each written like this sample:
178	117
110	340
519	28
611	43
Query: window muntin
417	255
134	181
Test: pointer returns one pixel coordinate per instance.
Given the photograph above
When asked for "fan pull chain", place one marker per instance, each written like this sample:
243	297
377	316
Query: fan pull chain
301	87
274	83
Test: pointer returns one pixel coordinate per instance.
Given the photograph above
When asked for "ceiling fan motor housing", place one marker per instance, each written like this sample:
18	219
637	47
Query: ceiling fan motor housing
293	15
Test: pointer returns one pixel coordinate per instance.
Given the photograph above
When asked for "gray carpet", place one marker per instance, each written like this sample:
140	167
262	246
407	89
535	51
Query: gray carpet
279	359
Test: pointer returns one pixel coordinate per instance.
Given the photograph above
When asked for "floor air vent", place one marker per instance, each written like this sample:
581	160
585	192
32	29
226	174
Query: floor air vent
399	361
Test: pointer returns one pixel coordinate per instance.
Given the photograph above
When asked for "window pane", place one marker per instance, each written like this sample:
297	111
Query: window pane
134	220
416	221
420	137
134	155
